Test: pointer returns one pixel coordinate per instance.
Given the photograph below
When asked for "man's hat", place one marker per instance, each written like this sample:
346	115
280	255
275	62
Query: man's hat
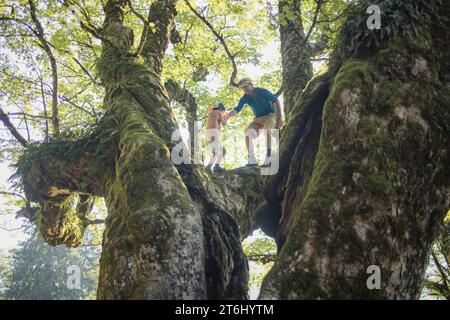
243	82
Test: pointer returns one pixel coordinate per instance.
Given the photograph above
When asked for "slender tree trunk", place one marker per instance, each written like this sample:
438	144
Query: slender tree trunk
302	132
295	53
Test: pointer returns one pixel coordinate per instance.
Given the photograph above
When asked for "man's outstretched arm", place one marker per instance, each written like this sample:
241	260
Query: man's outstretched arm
236	110
231	113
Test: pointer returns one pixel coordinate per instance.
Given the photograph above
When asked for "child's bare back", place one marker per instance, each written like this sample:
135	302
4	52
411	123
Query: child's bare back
215	120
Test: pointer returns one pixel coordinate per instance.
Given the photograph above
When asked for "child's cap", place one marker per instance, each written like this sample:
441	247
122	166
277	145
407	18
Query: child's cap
219	106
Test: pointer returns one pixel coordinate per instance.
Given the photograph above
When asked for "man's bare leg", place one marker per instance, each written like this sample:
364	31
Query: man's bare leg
247	143
268	139
268	136
250	135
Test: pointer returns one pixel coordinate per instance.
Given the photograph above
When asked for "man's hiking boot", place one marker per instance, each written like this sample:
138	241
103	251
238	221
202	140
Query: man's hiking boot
251	161
266	163
251	164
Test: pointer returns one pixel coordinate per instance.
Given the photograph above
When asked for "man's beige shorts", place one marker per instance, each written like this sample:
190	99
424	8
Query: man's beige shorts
264	122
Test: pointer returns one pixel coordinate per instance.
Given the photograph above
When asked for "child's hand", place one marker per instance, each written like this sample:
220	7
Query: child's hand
224	117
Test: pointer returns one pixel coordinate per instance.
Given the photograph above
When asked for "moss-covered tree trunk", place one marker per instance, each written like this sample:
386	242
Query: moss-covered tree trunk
365	166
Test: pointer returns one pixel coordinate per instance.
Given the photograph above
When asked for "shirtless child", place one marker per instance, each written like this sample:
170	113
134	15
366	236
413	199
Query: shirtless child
216	119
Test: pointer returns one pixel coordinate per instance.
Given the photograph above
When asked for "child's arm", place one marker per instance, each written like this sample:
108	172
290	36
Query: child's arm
223	118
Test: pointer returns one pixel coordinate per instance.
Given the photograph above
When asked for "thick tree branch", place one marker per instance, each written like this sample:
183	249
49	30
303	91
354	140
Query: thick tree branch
314	22
161	17
51	174
88	26
187	100
237	193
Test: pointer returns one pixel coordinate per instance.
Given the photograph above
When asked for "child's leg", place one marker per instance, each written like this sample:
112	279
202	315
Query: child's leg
213	159
219	150
217	167
251	133
220	156
210	140
268	141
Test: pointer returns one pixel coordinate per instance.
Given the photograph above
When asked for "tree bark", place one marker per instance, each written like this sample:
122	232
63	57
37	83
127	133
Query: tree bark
370	188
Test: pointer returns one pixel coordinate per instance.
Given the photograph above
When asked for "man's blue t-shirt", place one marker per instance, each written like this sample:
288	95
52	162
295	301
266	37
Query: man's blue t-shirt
261	104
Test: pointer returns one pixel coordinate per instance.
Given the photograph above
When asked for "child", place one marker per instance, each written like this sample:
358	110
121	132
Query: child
216	119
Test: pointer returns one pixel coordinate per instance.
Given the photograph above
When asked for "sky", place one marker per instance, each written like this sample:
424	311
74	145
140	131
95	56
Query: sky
8	239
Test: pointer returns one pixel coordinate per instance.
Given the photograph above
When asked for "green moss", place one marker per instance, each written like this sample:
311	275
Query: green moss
406	20
417	128
111	62
382	142
301	279
377	185
385	98
367	125
403	47
353	72
60	223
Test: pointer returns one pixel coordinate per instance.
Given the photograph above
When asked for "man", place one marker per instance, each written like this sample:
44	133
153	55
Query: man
216	118
267	111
